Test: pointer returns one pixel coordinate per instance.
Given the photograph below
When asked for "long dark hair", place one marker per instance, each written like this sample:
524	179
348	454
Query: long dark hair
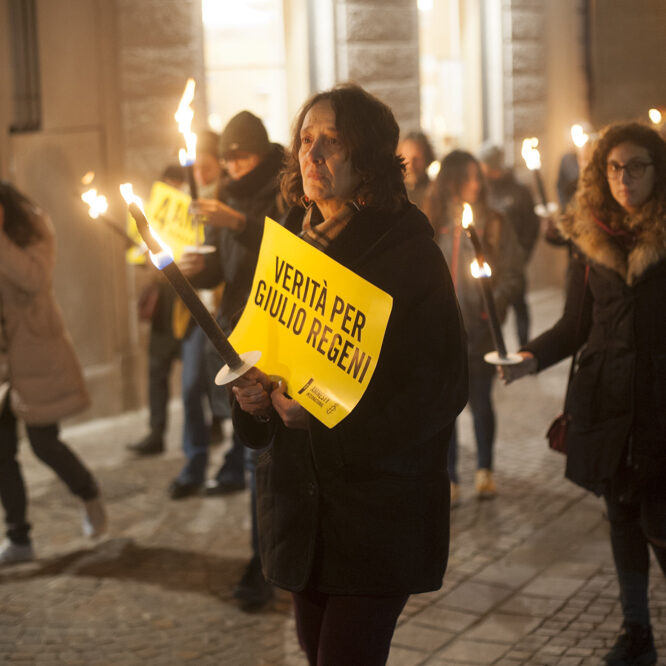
18	213
370	133
447	185
594	192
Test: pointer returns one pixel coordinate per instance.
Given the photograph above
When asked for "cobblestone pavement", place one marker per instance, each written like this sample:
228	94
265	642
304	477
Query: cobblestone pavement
530	578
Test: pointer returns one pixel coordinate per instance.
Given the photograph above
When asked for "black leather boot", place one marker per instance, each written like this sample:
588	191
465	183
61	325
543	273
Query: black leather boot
150	445
633	647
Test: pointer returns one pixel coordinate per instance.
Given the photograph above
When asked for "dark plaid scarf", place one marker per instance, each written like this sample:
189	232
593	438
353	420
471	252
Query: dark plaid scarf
321	235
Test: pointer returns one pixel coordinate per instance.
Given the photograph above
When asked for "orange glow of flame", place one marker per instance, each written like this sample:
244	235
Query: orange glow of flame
467	216
531	154
127	192
579	136
88	178
184	116
655	116
97	203
478	272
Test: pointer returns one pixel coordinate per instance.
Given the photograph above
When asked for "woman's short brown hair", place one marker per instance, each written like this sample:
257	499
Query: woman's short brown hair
370	133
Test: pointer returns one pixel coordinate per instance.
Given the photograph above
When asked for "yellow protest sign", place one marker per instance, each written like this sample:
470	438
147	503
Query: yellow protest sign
318	325
167	211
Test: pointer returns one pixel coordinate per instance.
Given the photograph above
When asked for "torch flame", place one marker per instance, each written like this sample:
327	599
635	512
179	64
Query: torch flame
433	169
478	272
531	154
467	216
579	136
97	203
184	116
655	116
128	194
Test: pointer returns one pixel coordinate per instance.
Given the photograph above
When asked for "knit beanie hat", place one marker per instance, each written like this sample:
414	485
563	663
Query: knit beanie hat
246	133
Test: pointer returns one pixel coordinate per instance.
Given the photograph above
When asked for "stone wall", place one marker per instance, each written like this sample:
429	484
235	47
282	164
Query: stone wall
111	77
377	47
159	45
628	59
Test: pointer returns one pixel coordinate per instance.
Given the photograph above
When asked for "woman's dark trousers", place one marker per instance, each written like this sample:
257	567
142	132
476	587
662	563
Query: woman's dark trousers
51	451
630	526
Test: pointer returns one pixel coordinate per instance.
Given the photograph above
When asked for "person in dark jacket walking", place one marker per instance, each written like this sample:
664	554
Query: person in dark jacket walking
248	192
355	518
460	181
616	441
514	201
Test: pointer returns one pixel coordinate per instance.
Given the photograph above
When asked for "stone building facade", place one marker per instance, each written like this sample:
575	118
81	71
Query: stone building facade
106	76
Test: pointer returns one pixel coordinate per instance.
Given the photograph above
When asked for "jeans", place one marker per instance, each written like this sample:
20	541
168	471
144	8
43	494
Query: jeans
352	630
50	450
630	526
194	389
197	386
481	376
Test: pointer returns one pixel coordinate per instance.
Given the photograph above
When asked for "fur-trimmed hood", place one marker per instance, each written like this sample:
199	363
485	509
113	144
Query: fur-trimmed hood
597	242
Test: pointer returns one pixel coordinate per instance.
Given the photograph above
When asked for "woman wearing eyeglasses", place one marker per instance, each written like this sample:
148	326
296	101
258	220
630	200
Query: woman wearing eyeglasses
616	318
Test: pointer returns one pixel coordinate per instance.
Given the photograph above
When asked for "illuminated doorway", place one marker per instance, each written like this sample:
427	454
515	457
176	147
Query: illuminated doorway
460	45
244	51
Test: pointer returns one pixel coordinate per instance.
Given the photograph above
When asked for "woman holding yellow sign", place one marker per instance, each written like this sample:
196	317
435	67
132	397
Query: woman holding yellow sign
355	518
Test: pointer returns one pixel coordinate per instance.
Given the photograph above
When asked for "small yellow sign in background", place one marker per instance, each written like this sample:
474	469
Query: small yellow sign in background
167	211
318	325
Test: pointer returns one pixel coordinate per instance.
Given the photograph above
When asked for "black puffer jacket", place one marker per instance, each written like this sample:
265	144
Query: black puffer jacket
363	508
617	398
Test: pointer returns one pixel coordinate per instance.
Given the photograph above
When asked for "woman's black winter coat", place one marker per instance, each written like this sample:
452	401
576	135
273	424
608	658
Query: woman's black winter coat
617	398
363	508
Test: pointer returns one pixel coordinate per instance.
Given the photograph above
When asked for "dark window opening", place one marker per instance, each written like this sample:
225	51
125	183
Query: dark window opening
26	91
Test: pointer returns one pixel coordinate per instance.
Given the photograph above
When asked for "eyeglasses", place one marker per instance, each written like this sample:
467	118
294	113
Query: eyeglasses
634	169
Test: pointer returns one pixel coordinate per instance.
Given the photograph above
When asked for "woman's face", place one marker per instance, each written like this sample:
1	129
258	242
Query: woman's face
239	164
328	176
206	169
630	174
469	190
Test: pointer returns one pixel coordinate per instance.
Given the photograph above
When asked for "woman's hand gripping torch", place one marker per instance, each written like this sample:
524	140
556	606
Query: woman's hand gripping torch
236	365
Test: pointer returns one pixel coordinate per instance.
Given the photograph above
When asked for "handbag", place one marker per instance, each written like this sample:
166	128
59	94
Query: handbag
559	428
557	433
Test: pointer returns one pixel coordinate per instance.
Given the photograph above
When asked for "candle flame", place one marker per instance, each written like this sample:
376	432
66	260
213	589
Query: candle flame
433	169
127	192
478	272
467	216
531	154
655	116
97	203
184	116
579	136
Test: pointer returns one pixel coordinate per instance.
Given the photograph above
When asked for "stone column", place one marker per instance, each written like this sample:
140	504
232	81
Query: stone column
376	45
